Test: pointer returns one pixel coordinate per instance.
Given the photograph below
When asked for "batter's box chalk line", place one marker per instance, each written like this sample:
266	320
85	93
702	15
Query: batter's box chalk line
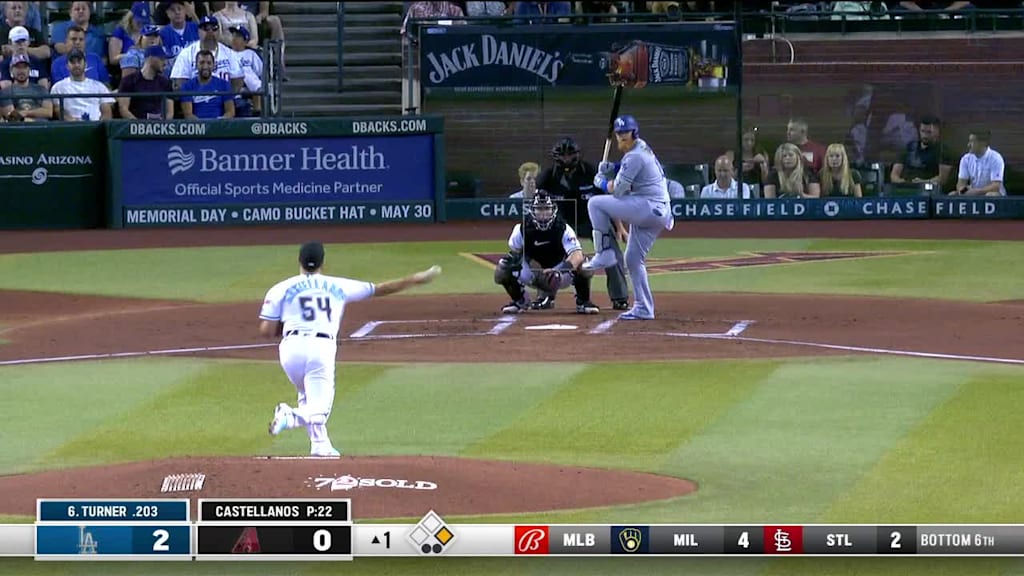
365	332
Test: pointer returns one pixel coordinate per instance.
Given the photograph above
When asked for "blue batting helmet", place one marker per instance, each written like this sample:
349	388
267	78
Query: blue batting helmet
627	124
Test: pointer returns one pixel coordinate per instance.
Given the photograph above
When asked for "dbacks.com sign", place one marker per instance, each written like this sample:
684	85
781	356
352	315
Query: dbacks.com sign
212	170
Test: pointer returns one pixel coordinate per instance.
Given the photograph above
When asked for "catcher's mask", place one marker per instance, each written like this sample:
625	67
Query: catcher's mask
543	211
566	154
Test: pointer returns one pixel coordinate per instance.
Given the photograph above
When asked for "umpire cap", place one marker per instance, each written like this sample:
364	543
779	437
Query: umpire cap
311	256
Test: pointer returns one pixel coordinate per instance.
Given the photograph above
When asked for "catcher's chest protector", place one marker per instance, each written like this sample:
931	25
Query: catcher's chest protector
544	246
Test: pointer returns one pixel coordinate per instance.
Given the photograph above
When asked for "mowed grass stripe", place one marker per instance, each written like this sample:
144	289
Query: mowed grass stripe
803	437
47	406
224	409
441	409
963	464
624	415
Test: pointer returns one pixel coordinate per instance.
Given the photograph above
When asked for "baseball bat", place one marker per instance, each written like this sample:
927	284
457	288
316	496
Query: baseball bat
616	102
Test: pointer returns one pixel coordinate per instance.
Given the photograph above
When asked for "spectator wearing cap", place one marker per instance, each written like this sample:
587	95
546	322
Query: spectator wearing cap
194	11
39	72
15	14
179	31
225	61
28	99
151	78
206	106
94	68
81	17
252	68
233	15
83	108
128	33
134	59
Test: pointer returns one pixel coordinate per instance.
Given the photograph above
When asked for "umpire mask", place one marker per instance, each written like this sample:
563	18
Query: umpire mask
566	154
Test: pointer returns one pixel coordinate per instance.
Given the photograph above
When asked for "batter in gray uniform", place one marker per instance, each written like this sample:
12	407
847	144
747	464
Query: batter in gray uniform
637	195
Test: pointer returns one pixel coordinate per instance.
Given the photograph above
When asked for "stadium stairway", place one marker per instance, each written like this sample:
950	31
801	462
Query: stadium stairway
371	58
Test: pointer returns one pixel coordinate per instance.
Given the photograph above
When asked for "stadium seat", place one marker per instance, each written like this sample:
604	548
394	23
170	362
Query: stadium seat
687	174
872	179
462	184
692	190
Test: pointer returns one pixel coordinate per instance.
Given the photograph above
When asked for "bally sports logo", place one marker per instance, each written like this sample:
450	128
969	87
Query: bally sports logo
532	540
179	161
345	483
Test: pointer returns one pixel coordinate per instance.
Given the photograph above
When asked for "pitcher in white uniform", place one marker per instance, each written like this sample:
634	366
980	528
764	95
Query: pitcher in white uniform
306	310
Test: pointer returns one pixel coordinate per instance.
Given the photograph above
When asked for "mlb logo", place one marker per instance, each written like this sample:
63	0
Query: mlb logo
532	540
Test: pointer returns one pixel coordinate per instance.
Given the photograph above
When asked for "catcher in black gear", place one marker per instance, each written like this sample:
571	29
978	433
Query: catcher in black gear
547	242
571	178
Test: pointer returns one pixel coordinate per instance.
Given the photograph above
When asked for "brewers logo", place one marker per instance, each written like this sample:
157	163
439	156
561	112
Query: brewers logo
629	539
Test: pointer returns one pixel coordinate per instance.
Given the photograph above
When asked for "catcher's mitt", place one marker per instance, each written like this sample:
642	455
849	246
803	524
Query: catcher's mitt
549	280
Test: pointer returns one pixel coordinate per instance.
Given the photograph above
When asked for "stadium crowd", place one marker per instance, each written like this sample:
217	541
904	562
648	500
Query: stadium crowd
92	61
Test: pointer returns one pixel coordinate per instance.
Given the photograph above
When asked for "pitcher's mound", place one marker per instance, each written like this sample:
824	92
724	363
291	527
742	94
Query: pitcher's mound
380	487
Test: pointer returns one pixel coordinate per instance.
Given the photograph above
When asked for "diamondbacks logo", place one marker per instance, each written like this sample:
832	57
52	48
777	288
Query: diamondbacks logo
741	260
179	161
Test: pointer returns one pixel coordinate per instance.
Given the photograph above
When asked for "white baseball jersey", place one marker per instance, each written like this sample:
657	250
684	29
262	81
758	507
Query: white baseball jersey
313	303
225	63
252	68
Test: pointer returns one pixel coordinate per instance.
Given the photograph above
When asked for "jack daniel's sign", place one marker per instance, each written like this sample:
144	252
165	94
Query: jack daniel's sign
527	57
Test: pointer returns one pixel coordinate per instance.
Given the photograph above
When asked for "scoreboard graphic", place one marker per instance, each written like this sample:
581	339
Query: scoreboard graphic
324	530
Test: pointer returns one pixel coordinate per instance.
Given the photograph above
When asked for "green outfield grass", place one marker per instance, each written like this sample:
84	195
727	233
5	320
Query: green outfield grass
791	440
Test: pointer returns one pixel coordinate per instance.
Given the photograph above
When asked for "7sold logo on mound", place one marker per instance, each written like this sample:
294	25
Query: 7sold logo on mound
532	540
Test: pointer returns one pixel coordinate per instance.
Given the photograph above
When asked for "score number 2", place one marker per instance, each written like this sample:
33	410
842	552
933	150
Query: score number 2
894	544
160	543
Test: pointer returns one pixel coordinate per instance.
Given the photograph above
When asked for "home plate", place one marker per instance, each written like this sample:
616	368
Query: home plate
552	327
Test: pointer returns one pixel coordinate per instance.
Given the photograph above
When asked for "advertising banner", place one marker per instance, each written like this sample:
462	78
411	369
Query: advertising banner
316	213
51	176
270	170
523	58
980	207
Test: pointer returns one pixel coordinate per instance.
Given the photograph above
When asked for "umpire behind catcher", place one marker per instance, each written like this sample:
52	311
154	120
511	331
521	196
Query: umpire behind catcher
572	178
543	237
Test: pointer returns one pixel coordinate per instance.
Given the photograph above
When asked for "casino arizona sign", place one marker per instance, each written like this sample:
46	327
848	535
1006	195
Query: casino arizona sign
489	51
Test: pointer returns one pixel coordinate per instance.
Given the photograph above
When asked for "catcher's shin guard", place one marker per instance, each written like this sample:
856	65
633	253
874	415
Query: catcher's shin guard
581	284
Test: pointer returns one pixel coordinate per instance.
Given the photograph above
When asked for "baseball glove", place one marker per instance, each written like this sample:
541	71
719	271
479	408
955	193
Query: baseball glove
549	280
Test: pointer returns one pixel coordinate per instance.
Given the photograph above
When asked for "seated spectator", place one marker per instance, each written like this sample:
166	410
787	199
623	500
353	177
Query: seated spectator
94	68
981	168
128	33
812	152
28	99
725	184
151	78
247	105
598	8
837	178
542	9
135	58
487	9
675	188
755	160
925	160
88	108
269	26
226	65
791	178
95	39
528	180
207	107
670	9
33	16
194	11
15	16
231	16
39	72
180	31
430	10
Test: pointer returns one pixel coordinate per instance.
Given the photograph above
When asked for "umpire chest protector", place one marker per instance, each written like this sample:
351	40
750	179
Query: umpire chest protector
544	246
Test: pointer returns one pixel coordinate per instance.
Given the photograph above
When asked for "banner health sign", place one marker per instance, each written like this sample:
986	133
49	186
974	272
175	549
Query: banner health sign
523	58
294	171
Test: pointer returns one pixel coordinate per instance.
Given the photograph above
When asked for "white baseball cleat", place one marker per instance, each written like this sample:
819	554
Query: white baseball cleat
332	453
600	261
282	417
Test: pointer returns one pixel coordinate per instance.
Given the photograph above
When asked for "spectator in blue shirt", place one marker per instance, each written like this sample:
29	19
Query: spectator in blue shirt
128	33
179	32
95	39
543	9
33	18
207	107
132	61
94	68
